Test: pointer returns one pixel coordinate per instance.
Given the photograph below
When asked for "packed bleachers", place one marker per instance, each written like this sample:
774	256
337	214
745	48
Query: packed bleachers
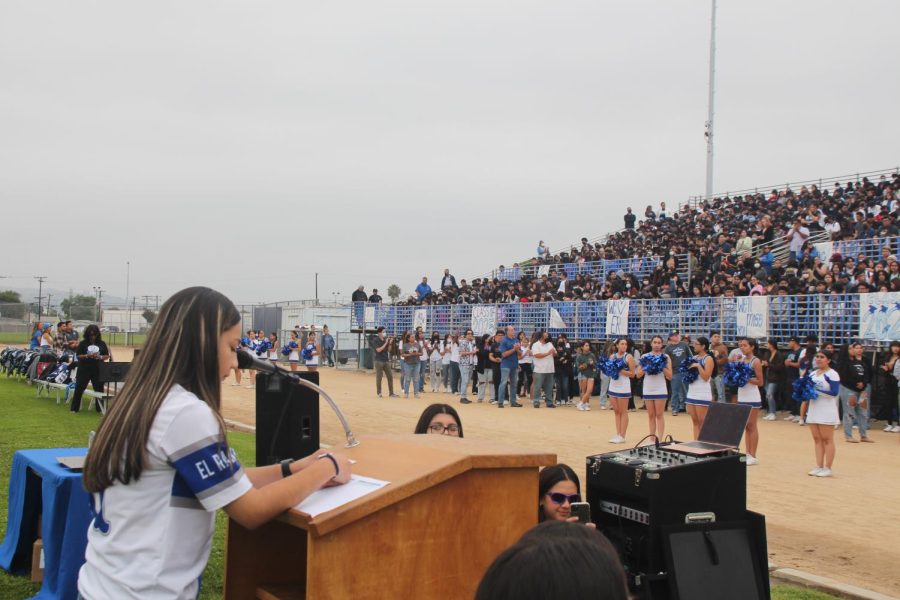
730	246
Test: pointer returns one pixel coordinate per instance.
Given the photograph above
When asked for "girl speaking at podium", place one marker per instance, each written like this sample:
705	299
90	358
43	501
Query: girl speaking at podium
160	465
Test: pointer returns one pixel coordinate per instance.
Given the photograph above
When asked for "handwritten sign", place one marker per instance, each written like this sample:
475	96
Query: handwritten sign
752	314
617	318
484	319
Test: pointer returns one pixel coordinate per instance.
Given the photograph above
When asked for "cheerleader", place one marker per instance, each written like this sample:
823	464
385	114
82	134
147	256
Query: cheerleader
749	395
294	351
250	344
620	390
273	347
822	415
699	393
655	392
311	352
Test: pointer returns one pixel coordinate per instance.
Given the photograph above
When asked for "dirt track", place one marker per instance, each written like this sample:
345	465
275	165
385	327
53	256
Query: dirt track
846	527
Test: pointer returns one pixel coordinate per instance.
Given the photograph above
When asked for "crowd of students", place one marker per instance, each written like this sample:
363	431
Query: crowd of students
722	241
509	365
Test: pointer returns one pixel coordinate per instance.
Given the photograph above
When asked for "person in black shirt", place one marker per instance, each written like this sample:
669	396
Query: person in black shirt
495	357
375	298
792	374
359	295
90	353
562	367
856	377
630	218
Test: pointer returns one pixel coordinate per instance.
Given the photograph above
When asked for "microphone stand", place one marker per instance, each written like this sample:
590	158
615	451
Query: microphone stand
351	440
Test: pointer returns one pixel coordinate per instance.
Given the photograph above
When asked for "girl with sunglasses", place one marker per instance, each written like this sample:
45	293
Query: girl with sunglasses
558	488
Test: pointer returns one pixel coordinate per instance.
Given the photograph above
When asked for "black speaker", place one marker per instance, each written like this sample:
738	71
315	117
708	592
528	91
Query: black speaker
287	418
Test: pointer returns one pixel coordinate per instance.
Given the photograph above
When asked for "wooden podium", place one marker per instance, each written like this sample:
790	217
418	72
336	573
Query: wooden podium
451	507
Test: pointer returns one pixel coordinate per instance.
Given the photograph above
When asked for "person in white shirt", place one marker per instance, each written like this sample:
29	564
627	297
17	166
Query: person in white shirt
542	353
160	465
797	236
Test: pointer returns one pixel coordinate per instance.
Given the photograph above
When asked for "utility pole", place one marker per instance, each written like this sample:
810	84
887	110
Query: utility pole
127	290
48	303
98	308
317	289
712	97
41	279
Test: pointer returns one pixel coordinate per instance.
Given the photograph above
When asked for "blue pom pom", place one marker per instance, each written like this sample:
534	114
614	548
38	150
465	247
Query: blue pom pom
653	364
737	374
263	347
307	353
286	350
804	389
612	367
689	375
245	341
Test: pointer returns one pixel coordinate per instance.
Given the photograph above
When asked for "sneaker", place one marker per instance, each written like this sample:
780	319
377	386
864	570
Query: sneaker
867	440
803	422
769	417
493	402
551	406
604	407
752	460
393	396
889	428
251	387
674	413
632	410
586	406
824	472
617	439
579	406
789	418
379	395
464	401
815	471
239	385
536	404
895	429
515	405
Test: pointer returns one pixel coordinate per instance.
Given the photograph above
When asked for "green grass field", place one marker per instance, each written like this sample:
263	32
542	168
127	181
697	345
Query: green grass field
30	422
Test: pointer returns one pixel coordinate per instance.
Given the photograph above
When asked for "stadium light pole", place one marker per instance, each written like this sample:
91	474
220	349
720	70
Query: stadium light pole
41	279
712	97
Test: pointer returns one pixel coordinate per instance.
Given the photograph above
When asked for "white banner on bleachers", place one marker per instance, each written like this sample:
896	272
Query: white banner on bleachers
543	270
484	320
752	316
370	315
420	319
879	316
825	250
617	318
556	320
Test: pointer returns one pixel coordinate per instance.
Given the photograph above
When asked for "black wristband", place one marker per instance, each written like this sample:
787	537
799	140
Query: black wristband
337	469
286	467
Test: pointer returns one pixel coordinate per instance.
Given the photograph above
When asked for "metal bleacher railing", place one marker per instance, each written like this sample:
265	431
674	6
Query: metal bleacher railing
644	266
832	317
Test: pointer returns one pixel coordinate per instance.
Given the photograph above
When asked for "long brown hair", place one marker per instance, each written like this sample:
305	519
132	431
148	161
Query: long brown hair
182	348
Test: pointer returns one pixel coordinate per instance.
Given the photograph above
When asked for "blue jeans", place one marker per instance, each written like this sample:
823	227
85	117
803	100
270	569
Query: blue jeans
543	382
508	375
772	397
604	388
719	383
454	377
679	391
465	379
420	387
410	376
851	413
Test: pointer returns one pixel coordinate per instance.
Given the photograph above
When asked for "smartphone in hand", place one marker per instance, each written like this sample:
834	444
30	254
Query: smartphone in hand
582	510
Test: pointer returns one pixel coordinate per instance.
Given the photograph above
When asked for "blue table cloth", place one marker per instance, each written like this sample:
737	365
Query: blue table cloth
38	484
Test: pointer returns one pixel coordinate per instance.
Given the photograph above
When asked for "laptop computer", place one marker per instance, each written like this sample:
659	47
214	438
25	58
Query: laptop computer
722	430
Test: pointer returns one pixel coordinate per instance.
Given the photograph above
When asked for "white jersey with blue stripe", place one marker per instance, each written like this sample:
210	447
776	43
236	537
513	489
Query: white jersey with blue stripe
151	539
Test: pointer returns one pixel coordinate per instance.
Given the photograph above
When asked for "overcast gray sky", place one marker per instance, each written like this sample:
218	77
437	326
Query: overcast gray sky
248	145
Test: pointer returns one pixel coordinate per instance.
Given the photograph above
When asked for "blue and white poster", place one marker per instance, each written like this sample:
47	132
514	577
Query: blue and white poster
617	318
420	319
752	314
879	316
484	320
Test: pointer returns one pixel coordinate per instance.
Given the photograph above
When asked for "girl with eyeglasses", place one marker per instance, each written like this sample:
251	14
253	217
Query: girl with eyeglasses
440	419
558	488
822	414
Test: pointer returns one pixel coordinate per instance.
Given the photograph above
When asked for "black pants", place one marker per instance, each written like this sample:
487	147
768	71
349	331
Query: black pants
526	377
82	378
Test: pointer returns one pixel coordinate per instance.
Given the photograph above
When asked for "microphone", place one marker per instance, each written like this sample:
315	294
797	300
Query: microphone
247	361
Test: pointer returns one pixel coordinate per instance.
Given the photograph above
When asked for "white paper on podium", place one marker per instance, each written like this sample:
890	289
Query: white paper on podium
330	498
